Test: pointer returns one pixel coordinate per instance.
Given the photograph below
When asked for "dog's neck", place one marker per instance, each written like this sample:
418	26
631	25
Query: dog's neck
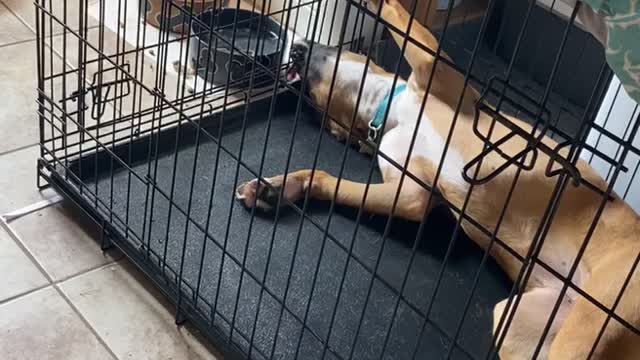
374	98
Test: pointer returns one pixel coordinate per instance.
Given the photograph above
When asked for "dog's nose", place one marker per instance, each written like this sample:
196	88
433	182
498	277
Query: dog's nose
298	52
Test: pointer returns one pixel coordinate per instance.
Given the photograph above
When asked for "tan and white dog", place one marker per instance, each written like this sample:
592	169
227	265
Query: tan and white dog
609	256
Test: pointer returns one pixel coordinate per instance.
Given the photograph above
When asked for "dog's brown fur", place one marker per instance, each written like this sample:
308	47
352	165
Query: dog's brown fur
608	258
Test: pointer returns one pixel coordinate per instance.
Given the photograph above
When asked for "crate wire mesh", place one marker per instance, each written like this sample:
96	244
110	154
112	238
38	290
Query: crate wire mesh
135	134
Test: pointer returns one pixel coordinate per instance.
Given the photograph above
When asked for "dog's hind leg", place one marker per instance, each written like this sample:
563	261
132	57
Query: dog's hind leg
420	61
448	82
584	321
411	204
524	332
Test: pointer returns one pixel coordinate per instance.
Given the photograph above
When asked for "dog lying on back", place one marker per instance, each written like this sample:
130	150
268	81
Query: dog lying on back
608	258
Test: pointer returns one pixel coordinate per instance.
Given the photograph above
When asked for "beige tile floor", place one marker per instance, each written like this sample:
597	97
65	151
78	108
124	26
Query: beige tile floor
61	297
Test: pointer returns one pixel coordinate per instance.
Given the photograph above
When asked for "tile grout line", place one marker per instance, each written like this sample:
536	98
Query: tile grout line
89	270
78	312
4	224
18	16
18	149
18	241
54	284
23	21
23	294
60	281
49	45
55	51
16	238
85	321
20	20
18	42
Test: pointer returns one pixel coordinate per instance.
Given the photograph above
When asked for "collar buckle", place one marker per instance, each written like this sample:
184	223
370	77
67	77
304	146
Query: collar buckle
376	123
368	146
374	131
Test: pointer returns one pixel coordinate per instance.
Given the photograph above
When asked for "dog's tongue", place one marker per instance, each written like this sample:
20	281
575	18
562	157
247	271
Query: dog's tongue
292	75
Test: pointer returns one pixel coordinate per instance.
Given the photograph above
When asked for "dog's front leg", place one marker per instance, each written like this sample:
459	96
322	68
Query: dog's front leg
411	204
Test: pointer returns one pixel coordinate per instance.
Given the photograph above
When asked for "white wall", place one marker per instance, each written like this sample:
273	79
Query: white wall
617	111
327	33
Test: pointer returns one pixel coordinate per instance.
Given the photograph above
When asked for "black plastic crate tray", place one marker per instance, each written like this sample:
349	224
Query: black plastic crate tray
147	248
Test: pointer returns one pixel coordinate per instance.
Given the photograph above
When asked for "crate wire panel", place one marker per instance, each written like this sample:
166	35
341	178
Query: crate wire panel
131	130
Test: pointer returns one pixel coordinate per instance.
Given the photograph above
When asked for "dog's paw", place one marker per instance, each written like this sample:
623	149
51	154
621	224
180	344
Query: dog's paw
260	195
374	5
256	194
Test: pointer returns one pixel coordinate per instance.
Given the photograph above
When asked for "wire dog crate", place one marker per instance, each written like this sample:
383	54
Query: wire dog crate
146	130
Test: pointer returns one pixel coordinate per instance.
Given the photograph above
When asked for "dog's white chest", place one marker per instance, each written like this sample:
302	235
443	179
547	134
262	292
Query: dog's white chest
429	143
401	123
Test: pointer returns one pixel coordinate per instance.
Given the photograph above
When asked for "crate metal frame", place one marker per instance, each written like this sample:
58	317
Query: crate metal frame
73	133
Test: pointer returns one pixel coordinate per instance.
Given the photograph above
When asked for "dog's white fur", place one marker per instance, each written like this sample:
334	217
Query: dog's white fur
405	110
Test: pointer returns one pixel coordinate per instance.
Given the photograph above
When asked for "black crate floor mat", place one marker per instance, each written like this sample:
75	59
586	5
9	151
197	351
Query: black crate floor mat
232	283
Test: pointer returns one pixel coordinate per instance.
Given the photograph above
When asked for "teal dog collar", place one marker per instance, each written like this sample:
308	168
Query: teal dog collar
375	124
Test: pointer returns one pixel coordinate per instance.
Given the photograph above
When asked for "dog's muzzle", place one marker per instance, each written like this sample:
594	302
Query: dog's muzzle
297	56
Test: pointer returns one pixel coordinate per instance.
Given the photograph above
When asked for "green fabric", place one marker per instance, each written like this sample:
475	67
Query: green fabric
622	18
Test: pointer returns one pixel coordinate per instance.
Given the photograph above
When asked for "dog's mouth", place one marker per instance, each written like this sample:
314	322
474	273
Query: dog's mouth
293	73
297	58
